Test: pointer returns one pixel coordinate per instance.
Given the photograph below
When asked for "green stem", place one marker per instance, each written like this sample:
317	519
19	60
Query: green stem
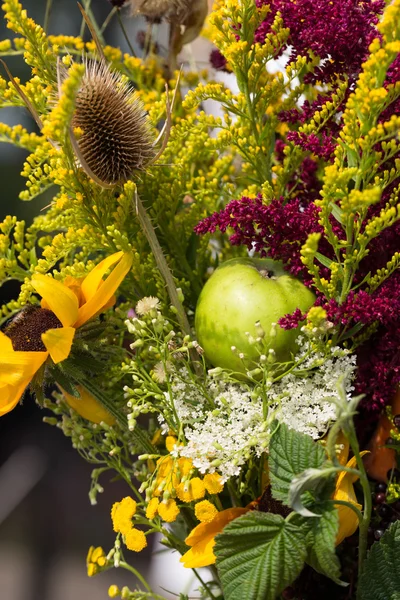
49	4
205	586
366	517
108	19
162	264
121	24
142	580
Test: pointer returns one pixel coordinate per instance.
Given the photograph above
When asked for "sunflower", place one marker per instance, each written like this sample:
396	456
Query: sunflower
38	333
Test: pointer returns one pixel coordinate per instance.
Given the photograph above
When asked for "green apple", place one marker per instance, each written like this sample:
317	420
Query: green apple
240	293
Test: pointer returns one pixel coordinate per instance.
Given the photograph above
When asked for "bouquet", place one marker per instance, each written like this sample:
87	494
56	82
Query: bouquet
209	307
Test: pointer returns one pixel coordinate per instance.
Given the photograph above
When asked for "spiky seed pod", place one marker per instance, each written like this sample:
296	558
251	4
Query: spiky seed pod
160	9
115	137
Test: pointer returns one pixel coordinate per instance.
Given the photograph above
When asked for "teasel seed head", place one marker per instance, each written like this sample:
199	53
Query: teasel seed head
115	137
155	10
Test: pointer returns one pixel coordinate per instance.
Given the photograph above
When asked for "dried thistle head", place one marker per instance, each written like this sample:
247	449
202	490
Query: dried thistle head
158	9
115	138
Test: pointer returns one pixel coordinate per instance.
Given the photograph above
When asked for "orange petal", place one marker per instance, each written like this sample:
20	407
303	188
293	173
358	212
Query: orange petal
58	342
88	407
10	395
105	292
348	521
58	297
16	367
92	282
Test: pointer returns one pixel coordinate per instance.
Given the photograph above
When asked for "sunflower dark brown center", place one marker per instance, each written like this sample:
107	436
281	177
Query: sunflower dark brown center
26	329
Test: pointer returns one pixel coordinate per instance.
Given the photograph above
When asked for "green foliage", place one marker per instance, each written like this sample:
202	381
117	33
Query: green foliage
258	555
380	577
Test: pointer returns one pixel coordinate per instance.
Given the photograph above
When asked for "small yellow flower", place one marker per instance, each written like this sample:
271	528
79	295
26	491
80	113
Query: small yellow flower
113	591
152	508
191	490
170	442
212	483
168	510
202	539
205	511
50	330
95	560
122	513
135	540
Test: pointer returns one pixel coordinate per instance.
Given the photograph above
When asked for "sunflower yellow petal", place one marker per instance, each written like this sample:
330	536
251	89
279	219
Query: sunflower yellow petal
16	367
5	343
58	297
105	292
348	521
92	282
88	407
58	342
10	395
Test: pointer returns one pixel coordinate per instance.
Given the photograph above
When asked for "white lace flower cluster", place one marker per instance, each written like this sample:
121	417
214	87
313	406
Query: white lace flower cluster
305	403
221	439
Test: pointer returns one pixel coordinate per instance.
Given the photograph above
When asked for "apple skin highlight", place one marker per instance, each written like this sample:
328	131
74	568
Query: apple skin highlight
240	293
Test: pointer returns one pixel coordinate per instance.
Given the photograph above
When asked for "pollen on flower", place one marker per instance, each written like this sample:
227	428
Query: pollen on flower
205	511
113	591
212	483
95	560
168	510
135	540
191	490
122	513
25	330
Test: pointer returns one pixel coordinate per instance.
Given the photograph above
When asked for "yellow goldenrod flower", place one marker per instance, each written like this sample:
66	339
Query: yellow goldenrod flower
135	540
122	513
37	333
212	483
191	490
344	490
202	539
88	407
205	511
152	508
168	510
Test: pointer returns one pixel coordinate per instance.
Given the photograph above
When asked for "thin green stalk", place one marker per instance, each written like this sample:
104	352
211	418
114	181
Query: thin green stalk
108	19
121	24
165	271
142	580
205	586
366	518
47	14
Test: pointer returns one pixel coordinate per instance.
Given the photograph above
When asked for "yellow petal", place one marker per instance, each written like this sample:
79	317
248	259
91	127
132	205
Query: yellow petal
348	521
5	343
201	555
88	407
92	281
10	395
215	526
58	342
58	297
16	367
101	297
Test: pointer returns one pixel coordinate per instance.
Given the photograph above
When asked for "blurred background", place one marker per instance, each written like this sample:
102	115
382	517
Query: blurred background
46	521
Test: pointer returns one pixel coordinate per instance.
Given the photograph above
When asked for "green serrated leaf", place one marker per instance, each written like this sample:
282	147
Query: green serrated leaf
258	555
290	454
321	541
380	577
